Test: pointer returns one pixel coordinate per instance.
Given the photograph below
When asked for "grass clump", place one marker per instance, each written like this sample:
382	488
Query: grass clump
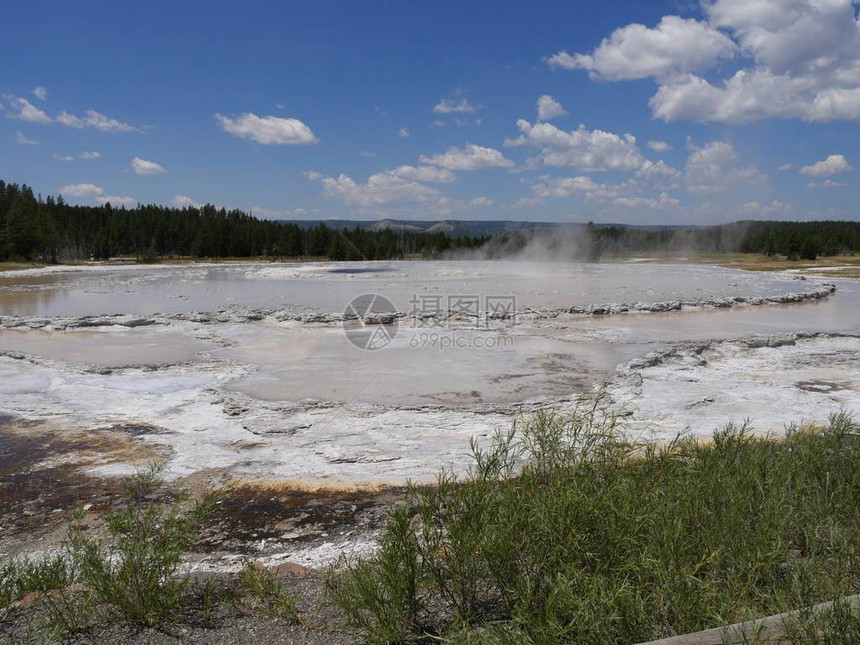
261	591
566	531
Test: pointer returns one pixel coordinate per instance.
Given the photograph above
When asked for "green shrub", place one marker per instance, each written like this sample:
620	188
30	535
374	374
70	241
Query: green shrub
566	531
131	576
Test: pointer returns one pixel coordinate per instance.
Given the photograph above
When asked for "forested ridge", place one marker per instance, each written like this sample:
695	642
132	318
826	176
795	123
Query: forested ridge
51	230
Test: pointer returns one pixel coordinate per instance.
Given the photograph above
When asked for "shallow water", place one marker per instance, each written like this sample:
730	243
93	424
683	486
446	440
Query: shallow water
328	288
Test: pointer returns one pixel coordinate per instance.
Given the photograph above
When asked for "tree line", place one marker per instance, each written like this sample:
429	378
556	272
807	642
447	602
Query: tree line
52	230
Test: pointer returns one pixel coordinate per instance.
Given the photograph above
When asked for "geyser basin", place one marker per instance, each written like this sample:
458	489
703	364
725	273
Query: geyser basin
328	288
267	385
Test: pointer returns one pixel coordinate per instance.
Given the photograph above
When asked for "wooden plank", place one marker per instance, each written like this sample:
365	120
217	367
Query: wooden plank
767	630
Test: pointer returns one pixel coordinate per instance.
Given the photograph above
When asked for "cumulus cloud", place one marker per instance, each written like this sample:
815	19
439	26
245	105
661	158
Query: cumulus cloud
96	120
481	201
550	188
659	146
827	183
428	174
91	154
403	133
268	130
116	200
833	165
785	167
97	193
81	190
713	167
384	189
589	150
447	106
663	201
23	110
63	157
659	176
548	108
266	213
757	208
799	59
23	140
183	201
144	167
636	51
472	157
40	92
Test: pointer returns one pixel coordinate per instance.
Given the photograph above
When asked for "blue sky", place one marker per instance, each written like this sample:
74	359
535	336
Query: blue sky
652	112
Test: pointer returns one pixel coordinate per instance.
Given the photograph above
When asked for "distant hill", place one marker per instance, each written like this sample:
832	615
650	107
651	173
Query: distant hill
459	228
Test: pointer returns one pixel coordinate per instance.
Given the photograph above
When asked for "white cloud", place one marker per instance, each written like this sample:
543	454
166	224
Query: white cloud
757	208
94	120
635	51
384	189
266	213
438	123
40	92
91	154
403	133
659	146
79	191
116	200
472	157
833	165
183	201
446	106
659	176
589	150
753	95
548	108
481	201
547	187
368	154
827	183
428	174
267	130
785	167
23	140
664	201
800	59
712	168
144	167
63	157
23	110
